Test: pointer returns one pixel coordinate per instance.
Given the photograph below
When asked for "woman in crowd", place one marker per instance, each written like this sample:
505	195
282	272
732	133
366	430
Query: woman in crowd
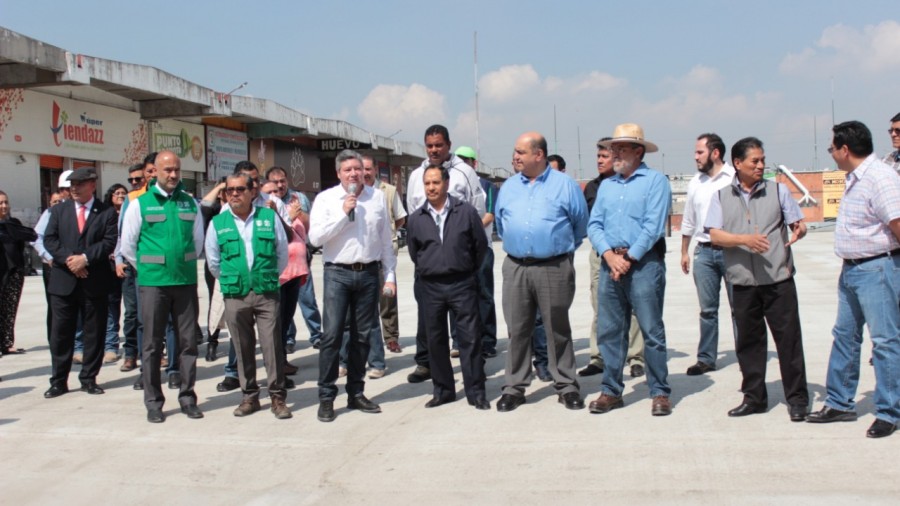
115	197
13	236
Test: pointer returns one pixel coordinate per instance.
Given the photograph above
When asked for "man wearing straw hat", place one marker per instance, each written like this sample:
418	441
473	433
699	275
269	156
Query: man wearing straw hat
626	226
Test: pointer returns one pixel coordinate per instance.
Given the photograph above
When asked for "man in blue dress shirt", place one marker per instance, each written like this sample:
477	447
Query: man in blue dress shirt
541	216
627	223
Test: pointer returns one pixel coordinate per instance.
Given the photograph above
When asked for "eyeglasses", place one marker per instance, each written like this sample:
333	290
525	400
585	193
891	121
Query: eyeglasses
135	179
831	150
120	194
235	189
893	131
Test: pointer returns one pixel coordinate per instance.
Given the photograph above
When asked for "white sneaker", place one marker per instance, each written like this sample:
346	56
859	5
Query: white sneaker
376	373
110	357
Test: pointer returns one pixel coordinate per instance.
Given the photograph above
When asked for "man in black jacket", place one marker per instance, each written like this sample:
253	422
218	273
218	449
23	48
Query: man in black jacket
447	243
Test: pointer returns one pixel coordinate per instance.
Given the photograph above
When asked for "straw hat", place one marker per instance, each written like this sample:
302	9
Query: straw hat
630	132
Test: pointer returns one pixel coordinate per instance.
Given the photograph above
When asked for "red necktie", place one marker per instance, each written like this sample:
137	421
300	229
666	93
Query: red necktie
81	219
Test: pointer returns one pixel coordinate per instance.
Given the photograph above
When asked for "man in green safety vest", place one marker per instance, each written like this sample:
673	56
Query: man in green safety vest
162	236
246	249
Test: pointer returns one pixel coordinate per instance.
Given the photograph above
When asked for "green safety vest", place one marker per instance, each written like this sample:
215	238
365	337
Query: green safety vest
165	248
235	278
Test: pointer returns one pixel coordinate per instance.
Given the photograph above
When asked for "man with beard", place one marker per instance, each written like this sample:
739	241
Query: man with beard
626	225
709	260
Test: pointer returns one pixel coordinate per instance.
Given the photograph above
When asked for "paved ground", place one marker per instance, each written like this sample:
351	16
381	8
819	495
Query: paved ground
88	450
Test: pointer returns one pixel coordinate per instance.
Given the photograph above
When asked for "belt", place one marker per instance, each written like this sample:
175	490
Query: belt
534	261
857	261
358	266
709	245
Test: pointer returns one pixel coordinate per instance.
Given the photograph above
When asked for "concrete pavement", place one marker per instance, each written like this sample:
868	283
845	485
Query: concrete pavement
82	449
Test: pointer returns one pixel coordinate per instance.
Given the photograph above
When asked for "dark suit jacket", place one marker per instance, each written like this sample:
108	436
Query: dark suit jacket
98	241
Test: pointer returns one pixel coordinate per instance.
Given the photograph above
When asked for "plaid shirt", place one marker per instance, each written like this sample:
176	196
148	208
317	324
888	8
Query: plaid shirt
870	202
893	159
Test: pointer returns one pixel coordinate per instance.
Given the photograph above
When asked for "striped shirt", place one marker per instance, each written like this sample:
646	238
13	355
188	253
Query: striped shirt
893	160
870	202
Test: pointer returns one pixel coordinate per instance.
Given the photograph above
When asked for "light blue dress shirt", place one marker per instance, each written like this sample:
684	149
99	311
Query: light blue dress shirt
541	219
630	213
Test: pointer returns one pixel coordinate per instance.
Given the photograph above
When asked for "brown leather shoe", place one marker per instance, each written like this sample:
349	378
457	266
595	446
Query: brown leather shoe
661	406
393	347
280	409
164	362
290	369
605	403
129	364
248	406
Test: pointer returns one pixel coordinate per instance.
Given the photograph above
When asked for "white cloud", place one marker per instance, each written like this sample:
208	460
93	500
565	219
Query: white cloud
391	107
596	81
872	49
508	83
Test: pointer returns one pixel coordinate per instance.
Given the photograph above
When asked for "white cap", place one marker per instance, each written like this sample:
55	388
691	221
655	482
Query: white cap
64	179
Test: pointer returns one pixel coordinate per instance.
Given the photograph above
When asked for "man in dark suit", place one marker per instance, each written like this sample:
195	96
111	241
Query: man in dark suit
447	243
80	236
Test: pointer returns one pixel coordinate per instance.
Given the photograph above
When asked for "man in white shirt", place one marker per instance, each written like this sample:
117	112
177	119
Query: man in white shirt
709	261
350	222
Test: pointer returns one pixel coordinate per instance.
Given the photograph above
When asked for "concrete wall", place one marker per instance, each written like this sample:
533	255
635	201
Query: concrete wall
21	181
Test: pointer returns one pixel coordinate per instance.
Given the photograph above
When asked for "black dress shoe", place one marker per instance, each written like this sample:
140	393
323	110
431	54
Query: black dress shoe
92	388
798	413
509	402
175	381
317	345
155	416
437	401
828	415
289	384
880	428
55	391
192	411
591	370
572	400
700	368
138	384
637	370
211	352
326	411
489	353
228	384
361	403
480	403
747	408
419	375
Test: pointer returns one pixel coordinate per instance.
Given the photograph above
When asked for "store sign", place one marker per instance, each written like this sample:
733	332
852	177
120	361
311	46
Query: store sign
47	124
184	139
303	168
224	149
832	190
341	144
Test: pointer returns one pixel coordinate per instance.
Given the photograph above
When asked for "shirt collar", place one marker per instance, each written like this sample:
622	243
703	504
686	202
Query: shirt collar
542	177
860	171
445	209
736	182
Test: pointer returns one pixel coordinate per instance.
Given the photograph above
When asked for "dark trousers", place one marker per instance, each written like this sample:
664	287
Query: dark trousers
459	297
45	274
131	323
290	294
62	336
351	297
158	304
776	304
421	356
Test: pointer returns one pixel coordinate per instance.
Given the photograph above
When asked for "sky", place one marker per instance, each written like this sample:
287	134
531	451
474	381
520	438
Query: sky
780	71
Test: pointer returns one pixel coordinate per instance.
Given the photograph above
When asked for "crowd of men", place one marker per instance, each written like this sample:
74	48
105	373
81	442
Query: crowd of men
256	236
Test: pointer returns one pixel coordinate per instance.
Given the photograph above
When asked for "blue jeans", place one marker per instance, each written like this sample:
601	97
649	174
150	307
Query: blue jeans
642	290
131	325
709	271
868	293
376	348
351	297
112	318
310	311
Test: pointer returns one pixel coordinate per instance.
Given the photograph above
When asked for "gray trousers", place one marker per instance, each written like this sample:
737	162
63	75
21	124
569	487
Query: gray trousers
549	287
390	323
241	314
158	303
635	338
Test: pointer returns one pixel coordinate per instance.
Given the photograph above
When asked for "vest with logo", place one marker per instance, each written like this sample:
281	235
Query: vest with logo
236	279
165	249
763	215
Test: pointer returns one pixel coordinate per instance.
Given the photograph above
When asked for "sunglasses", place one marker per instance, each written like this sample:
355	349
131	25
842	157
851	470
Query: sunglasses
235	189
893	131
135	179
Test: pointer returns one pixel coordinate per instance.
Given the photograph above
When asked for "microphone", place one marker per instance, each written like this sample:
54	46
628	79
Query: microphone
351	188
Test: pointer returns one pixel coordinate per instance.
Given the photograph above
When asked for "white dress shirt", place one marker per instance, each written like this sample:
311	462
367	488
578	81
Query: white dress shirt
700	193
245	230
131	230
38	243
366	239
464	185
439	217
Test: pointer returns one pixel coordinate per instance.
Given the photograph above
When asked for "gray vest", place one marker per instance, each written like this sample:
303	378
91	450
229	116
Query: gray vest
762	215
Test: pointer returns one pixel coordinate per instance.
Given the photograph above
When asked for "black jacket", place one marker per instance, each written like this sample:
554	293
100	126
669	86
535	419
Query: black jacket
97	242
464	246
